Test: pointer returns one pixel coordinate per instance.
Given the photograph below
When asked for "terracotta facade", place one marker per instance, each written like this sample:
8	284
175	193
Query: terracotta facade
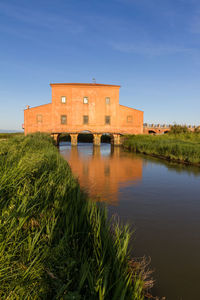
83	107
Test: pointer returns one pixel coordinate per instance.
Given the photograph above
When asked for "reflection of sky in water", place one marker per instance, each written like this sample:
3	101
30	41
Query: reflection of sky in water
86	149
105	149
160	200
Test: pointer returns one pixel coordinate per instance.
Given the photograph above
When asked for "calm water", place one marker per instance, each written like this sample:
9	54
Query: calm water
160	200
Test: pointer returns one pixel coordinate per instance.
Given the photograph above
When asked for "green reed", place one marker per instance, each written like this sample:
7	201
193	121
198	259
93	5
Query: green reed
54	242
183	147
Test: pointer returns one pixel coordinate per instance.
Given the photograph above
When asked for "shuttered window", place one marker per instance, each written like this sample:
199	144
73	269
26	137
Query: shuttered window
129	119
107	120
107	100
85	119
63	119
39	119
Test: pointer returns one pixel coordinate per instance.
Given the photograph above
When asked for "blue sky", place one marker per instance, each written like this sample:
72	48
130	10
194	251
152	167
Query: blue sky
150	47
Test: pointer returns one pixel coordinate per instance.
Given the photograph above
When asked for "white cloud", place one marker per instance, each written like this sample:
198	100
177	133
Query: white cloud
149	49
40	19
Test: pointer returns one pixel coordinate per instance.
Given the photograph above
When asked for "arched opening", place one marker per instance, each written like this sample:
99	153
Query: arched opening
106	138
64	137
85	137
166	131
152	132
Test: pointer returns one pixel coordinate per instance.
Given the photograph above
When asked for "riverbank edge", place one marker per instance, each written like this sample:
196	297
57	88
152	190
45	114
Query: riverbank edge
128	147
162	157
106	253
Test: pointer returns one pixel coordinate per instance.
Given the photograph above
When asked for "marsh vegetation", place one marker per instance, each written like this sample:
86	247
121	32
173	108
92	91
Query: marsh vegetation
54	242
179	145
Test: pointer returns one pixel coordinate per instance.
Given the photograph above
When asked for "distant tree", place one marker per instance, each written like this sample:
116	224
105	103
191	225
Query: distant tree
197	129
178	129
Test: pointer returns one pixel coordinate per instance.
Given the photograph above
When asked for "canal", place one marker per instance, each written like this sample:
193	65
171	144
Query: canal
160	201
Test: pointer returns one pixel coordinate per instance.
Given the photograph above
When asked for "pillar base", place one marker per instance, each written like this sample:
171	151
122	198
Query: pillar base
74	139
55	136
97	139
116	140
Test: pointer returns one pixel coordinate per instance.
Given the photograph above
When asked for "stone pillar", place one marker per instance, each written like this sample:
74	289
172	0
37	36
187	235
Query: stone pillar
116	140
55	136
74	138
97	139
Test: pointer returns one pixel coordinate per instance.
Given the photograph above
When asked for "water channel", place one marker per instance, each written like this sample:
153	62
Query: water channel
161	202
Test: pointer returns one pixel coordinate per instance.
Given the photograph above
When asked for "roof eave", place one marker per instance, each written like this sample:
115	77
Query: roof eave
85	84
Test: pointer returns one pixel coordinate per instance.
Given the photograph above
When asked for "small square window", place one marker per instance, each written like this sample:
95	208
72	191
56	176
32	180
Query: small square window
63	119
107	100
85	100
129	119
85	119
107	120
63	99
39	118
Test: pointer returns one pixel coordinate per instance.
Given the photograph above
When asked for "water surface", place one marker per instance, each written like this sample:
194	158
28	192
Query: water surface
160	200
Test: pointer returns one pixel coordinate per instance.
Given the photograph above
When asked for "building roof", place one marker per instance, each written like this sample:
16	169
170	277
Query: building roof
130	107
85	84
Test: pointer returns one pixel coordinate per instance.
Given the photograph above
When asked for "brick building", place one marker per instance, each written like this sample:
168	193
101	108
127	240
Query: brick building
84	107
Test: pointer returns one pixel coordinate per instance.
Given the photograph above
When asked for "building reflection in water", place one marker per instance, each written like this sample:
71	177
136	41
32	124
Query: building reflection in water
102	171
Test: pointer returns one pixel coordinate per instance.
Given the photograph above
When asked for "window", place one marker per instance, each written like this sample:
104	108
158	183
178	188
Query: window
107	100
63	119
63	99
39	118
107	120
85	119
85	100
129	119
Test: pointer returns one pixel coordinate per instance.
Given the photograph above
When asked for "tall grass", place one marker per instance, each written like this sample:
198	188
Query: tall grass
183	147
54	243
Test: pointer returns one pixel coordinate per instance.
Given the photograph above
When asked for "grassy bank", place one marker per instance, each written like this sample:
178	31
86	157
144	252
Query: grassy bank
182	147
54	243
